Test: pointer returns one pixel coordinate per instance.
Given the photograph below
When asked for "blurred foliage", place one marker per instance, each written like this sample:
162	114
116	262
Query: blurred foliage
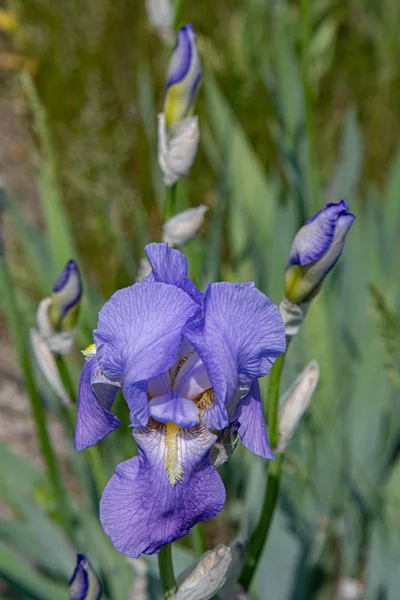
299	106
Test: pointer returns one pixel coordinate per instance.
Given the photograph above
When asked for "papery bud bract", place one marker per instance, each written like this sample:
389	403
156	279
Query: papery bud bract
59	342
350	589
177	148
231	590
161	16
184	75
48	366
315	250
293	316
65	298
84	584
295	402
183	227
203	579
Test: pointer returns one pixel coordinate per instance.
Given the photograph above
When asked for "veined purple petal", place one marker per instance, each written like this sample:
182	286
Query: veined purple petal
313	240
251	423
141	510
192	378
159	385
138	336
94	420
239	337
170	266
172	407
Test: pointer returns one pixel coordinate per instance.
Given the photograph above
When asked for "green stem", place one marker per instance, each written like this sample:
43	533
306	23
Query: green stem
170	202
197	540
260	534
273	400
305	29
166	571
22	347
177	12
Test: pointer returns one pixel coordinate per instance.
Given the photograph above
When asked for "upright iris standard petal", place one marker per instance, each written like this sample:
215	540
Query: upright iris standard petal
170	266
315	250
95	399
184	76
146	505
65	298
84	584
238	338
138	336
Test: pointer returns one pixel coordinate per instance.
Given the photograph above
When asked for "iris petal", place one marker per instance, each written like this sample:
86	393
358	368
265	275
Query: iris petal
251	423
239	337
95	399
137	519
138	337
170	266
192	378
160	385
173	407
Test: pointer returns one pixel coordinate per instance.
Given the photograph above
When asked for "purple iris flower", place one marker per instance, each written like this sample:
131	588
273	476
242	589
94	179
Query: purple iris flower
188	364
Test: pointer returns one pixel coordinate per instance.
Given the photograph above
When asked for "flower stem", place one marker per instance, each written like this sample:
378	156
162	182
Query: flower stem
260	534
22	347
177	12
170	202
197	540
166	571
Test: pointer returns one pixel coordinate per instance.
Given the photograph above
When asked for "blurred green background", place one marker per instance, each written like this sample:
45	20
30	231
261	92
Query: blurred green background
299	106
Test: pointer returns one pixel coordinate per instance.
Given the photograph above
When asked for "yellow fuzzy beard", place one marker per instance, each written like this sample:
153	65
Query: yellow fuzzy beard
91	349
172	459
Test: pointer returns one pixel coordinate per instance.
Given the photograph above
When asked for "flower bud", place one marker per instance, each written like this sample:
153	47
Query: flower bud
161	16
84	584
184	226
315	250
184	75
48	367
177	148
203	579
65	298
295	402
56	316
